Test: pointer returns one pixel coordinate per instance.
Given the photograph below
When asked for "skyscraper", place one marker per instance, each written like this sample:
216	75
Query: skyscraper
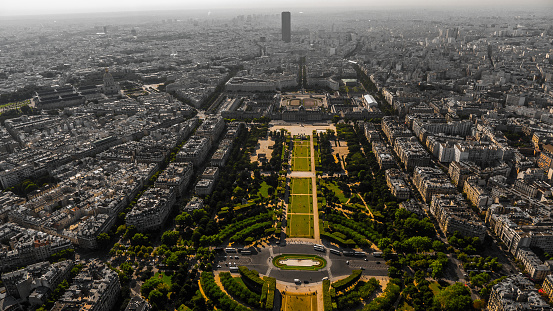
286	27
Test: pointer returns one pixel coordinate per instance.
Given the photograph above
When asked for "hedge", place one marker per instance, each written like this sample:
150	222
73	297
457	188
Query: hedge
336	239
327	300
347	282
220	299
251	278
239	290
236	227
271	282
251	231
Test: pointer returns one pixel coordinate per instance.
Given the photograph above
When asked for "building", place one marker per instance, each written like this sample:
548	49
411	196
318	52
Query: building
548	286
211	128
176	175
397	184
383	155
453	214
138	303
221	155
536	269
95	288
516	293
27	246
204	186
34	283
393	129
414	206
518	229
286	27
109	87
194	204
431	181
195	150
211	172
476	193
411	153
152	209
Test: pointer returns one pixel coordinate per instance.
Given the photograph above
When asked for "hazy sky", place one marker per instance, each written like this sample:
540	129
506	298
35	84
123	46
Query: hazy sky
34	7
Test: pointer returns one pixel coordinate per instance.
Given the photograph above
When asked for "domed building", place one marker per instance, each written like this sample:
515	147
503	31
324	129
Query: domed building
110	87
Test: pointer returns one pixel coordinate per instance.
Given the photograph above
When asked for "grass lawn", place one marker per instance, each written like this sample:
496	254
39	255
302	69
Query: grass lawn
239	280
301	164
301	150
435	287
165	278
263	190
332	186
405	307
300	226
183	308
295	302
301	185
300	204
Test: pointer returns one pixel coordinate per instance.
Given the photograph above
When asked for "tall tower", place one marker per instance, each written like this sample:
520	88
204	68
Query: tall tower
286	27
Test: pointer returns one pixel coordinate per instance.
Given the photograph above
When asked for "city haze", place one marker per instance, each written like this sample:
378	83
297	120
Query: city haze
34	7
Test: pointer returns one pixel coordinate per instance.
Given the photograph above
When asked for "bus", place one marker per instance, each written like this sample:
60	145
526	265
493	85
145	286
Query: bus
377	254
348	253
246	252
360	254
234	269
335	251
230	250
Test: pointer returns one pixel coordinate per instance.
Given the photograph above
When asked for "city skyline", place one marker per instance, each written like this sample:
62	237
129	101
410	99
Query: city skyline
33	7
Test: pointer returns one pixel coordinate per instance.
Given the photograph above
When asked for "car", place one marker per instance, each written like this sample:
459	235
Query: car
297	281
347	262
361	268
366	259
218	266
325	278
305	282
378	262
235	257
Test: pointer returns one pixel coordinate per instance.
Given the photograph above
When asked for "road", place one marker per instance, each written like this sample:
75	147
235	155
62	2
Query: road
338	266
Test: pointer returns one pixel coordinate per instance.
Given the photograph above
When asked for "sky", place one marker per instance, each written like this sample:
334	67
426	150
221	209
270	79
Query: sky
39	7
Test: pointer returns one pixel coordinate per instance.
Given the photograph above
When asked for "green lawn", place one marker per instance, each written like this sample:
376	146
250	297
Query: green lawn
294	302
165	278
435	287
300	226
301	164
300	204
405	307
301	150
332	186
301	186
263	190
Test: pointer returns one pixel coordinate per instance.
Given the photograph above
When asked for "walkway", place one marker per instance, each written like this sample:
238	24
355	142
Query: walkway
316	234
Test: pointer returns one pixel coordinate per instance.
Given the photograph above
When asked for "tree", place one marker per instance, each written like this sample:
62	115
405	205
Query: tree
156	297
103	240
170	238
455	297
184	219
139	239
149	286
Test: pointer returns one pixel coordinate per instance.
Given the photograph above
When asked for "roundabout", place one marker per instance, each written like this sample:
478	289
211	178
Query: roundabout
299	262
